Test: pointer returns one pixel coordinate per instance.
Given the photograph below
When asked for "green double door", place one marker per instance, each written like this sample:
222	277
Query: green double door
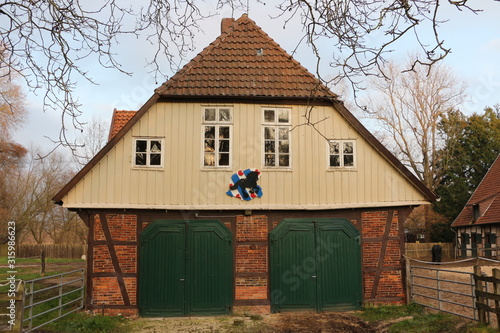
185	268
315	265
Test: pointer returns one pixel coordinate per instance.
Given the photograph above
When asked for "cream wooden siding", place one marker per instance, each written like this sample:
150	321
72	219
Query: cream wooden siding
184	184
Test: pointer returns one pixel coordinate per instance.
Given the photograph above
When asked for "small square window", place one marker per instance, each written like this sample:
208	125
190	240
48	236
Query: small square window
148	152
341	153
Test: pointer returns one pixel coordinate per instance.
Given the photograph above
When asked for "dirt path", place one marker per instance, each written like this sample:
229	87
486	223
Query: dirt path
272	323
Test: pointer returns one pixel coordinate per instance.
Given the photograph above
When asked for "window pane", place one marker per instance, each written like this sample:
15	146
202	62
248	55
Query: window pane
223	159
225	115
283	116
210	132
283	134
155	159
284	160
209	114
269	146
283	147
348	147
334	160
140	159
334	148
155	146
269	116
224	146
348	160
209	159
209	145
269	160
224	132
269	133
141	146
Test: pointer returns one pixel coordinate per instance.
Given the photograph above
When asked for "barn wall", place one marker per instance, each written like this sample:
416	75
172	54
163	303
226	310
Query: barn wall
113	254
183	182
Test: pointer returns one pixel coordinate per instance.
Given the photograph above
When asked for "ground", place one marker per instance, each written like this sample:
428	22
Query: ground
278	323
275	323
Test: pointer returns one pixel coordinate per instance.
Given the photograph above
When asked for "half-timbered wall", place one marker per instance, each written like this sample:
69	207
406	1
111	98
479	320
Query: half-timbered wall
479	241
112	272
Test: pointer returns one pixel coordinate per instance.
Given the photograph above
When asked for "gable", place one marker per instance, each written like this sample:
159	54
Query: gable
245	70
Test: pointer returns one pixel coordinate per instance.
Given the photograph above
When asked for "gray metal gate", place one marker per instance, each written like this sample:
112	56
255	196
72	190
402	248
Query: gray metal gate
68	290
444	290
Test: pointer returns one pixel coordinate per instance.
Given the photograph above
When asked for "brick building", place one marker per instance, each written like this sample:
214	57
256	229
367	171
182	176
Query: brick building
217	195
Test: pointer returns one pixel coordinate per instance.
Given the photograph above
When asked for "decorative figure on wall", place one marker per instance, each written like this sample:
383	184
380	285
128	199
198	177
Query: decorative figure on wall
244	185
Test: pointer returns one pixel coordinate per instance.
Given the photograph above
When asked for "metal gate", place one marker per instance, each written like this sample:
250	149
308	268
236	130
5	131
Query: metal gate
315	264
185	268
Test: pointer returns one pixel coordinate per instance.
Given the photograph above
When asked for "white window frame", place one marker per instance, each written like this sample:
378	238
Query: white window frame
341	154
217	123
277	125
148	152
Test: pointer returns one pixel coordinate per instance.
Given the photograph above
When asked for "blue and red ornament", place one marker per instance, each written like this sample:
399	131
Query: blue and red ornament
244	185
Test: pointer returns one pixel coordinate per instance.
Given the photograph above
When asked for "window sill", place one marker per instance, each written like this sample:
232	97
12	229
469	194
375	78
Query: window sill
332	169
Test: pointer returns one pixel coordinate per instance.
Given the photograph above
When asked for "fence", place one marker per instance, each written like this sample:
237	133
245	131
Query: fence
444	290
43	305
458	290
423	250
69	251
483	285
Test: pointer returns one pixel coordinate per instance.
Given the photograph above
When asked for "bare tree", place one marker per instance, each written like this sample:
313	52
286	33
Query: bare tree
93	137
47	41
33	210
408	108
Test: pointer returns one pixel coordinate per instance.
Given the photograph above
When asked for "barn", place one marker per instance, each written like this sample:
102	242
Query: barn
478	224
242	184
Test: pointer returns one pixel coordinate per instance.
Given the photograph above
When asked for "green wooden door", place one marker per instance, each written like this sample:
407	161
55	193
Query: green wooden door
185	268
315	264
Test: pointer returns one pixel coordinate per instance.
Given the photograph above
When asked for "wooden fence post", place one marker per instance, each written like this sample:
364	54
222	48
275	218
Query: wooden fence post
496	286
479	286
408	280
42	269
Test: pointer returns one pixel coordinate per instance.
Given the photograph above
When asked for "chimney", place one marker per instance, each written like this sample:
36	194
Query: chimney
226	23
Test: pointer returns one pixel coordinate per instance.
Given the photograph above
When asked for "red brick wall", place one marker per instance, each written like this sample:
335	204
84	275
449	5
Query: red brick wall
251	259
382	275
105	286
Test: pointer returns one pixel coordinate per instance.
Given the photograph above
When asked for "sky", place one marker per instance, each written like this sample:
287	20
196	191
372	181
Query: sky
475	58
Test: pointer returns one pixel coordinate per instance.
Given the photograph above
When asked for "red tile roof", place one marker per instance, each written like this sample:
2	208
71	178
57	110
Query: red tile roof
120	118
244	62
487	196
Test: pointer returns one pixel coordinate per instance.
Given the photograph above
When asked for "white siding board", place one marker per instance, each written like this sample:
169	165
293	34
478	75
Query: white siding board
183	182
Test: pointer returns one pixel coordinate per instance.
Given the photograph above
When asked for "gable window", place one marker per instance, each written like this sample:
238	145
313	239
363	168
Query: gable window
217	123
342	153
277	124
148	152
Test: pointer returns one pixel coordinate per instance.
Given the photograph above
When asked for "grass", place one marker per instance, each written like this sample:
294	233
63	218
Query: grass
80	322
387	312
422	322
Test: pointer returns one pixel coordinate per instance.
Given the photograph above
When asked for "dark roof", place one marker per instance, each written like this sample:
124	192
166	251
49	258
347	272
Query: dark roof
120	118
487	197
245	64
244	61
